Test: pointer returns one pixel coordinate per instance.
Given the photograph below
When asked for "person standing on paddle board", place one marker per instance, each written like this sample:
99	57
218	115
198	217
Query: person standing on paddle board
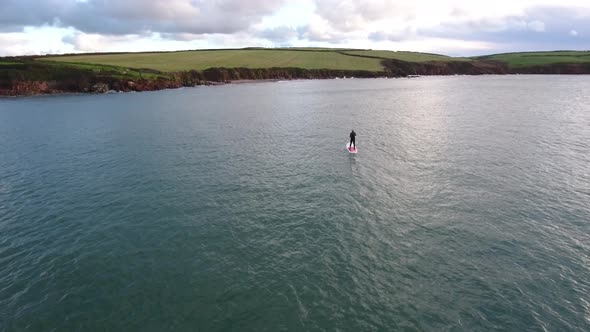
352	137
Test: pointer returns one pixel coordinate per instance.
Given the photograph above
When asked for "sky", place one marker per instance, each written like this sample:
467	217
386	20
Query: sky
452	27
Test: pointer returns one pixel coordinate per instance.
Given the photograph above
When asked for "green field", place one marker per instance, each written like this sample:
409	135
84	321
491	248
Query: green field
115	71
8	63
525	59
405	56
160	70
305	58
247	58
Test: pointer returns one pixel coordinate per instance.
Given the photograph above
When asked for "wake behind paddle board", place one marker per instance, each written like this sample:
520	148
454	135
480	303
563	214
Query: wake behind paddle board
351	149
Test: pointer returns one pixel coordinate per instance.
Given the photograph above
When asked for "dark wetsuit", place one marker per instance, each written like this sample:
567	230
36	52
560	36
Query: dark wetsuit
352	136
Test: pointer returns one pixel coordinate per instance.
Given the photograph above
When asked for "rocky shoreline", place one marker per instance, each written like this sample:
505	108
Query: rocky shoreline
40	78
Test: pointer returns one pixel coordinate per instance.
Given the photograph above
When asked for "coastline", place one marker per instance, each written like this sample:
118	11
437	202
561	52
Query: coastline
210	84
99	73
79	81
244	81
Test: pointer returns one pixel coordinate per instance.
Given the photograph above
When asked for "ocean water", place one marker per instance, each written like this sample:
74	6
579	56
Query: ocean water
238	208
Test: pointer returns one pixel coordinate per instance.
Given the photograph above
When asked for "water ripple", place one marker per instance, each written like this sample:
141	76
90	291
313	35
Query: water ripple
237	207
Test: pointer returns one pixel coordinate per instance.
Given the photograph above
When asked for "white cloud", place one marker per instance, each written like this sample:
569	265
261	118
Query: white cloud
34	41
13	44
97	43
139	16
536	26
139	25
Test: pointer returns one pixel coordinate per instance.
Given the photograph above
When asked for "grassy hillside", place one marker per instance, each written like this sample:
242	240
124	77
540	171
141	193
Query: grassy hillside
246	58
404	56
26	76
50	70
160	70
527	59
306	58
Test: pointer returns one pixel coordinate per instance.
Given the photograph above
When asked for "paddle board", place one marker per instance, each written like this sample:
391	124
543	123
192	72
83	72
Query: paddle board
351	150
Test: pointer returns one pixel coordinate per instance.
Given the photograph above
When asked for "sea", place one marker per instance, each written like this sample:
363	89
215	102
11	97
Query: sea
238	207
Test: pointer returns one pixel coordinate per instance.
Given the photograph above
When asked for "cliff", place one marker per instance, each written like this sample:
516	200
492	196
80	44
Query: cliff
403	68
25	76
30	78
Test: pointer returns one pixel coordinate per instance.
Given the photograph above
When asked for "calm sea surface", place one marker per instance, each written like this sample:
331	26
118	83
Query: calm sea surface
238	208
